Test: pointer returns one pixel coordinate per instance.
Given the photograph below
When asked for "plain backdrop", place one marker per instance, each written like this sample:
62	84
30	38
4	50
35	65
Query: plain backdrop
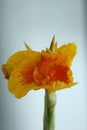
36	21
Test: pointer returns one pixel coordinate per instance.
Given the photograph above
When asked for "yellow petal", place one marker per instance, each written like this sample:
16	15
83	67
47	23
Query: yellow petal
65	54
4	69
20	91
21	79
17	58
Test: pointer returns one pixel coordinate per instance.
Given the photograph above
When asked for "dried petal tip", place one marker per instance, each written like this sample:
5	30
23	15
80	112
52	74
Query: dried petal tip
48	51
53	45
27	46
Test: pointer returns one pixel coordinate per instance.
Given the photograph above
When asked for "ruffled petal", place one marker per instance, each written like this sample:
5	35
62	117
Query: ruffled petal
21	79
51	74
17	58
65	54
48	70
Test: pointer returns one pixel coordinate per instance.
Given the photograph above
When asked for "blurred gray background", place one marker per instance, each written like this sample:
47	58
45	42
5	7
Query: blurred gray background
36	21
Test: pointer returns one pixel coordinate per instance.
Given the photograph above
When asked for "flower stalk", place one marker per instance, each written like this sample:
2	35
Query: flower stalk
49	111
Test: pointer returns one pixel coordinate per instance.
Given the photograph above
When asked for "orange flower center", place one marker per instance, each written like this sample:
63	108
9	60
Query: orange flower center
49	71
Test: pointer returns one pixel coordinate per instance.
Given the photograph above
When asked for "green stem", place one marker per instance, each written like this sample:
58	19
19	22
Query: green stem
49	111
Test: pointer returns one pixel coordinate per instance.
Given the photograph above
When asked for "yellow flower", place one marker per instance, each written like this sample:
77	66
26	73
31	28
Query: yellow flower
30	70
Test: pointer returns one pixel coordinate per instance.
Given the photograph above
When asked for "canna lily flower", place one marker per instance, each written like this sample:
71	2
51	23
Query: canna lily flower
49	69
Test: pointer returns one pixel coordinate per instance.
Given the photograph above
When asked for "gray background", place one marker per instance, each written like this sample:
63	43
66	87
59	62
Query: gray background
36	21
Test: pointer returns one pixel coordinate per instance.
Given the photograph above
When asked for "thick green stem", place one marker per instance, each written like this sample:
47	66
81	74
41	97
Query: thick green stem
49	111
